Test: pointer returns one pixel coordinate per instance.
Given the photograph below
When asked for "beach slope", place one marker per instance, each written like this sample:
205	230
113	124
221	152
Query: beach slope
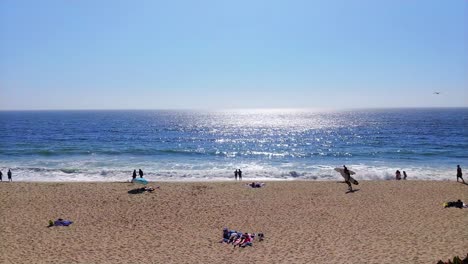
303	222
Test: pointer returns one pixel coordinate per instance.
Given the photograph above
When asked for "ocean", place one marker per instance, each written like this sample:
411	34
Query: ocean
278	144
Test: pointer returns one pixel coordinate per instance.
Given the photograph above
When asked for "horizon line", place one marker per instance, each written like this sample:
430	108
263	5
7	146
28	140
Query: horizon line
232	109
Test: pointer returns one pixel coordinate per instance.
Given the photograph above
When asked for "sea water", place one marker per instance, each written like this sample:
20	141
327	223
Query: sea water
210	145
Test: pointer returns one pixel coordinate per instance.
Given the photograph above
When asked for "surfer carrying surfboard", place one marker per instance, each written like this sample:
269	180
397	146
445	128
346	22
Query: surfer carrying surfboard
347	179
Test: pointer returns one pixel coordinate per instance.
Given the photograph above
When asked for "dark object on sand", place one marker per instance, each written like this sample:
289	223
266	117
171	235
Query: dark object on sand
456	260
142	190
60	222
457	204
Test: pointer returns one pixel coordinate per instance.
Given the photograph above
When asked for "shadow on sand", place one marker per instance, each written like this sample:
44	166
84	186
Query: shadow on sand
137	191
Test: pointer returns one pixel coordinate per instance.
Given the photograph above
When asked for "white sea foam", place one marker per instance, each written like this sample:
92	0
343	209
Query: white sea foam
218	172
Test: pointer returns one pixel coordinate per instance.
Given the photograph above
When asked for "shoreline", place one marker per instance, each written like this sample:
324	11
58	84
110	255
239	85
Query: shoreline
304	221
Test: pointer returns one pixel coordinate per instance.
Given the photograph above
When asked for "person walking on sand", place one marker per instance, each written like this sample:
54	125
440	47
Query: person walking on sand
9	175
140	172
235	174
459	173
240	175
134	175
347	179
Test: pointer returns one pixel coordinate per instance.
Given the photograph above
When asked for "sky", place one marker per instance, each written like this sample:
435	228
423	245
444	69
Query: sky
233	54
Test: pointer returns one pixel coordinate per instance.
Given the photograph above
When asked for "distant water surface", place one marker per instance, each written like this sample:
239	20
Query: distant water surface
210	145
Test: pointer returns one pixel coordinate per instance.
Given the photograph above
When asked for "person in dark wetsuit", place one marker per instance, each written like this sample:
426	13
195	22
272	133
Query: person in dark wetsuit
460	173
240	175
140	172
9	175
1	174
348	176
134	175
235	174
404	175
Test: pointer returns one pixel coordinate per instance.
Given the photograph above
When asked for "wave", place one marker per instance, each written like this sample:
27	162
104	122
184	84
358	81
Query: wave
220	173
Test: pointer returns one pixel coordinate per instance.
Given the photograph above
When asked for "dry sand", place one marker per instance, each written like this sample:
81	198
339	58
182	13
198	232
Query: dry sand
303	221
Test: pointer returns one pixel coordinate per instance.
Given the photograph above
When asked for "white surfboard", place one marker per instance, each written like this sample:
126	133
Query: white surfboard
351	179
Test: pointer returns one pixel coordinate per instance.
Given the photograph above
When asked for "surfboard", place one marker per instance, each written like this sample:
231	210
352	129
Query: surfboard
351	179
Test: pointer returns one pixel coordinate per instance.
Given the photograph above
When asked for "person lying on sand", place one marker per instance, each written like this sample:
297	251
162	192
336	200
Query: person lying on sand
246	240
457	204
227	235
234	237
256	184
143	189
238	238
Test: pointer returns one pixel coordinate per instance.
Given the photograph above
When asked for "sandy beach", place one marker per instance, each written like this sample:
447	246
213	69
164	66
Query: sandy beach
303	222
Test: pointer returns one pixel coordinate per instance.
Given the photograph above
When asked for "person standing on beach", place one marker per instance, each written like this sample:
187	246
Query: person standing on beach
235	174
134	175
9	175
1	174
459	173
240	175
140	172
347	179
404	175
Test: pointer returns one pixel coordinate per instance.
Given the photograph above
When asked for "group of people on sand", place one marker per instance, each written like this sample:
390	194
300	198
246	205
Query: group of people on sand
237	238
8	174
398	175
140	172
348	179
459	174
238	173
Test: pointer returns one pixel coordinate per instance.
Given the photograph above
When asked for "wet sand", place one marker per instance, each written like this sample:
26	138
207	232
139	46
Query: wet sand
303	222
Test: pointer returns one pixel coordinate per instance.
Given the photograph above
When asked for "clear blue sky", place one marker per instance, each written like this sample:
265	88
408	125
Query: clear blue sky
233	54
